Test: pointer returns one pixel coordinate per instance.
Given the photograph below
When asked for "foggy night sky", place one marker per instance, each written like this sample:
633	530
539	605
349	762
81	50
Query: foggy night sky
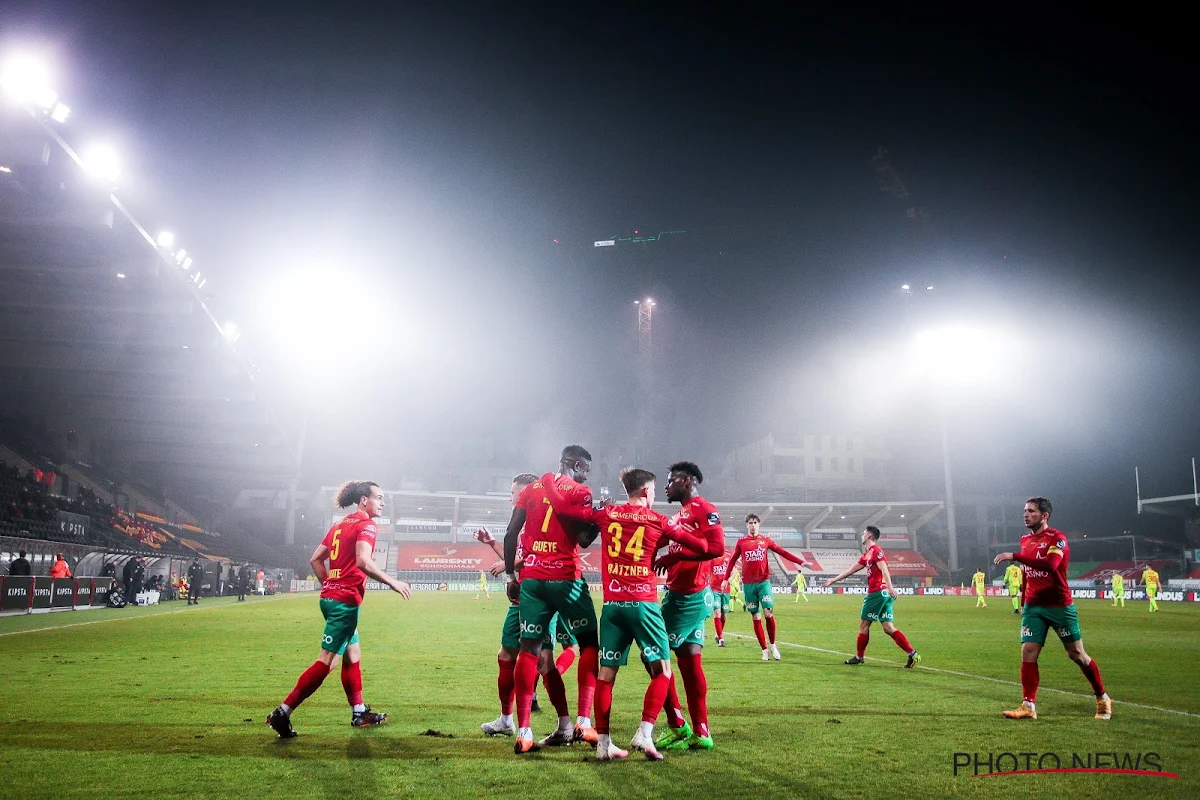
434	156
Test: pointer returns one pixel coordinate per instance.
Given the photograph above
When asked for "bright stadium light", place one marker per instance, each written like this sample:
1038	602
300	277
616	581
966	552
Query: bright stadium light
102	163
187	263
165	239
60	113
26	80
232	332
962	354
180	256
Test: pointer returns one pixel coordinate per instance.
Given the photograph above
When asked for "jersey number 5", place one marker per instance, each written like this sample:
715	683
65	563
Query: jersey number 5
633	547
335	546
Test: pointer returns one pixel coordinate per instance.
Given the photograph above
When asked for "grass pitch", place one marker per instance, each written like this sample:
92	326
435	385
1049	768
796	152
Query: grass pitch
171	701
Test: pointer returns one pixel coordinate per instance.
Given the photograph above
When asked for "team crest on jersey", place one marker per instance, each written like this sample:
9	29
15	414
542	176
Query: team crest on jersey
714	518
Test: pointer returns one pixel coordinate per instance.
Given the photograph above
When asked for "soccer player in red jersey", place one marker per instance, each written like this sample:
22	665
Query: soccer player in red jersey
721	601
877	605
756	581
631	533
349	547
688	603
1048	604
510	639
551	583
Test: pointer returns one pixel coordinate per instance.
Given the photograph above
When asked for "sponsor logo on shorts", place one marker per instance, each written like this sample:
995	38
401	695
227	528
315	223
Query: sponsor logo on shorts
611	655
1025	631
576	624
1063	633
529	630
326	639
652	653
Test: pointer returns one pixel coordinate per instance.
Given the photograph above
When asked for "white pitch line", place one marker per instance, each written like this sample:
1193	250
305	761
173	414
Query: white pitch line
978	677
118	619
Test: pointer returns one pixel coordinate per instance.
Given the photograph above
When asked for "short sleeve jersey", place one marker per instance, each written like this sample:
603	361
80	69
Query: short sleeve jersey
551	552
1118	581
700	518
629	535
1043	588
1150	577
346	582
1012	575
978	578
871	559
754	557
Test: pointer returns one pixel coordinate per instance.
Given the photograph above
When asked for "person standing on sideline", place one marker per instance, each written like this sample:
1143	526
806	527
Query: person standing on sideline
20	565
195	574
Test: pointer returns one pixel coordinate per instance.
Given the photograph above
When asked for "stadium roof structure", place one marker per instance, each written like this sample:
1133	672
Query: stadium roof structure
108	335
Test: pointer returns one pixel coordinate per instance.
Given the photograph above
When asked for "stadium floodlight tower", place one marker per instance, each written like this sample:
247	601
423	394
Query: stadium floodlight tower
645	318
961	356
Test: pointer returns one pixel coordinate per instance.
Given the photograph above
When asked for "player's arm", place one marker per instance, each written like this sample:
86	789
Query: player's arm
485	536
364	554
564	507
846	573
733	559
512	537
1050	563
887	577
800	562
318	563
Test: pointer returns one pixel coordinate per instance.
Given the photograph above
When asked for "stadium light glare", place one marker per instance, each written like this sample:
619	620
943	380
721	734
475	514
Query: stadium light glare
962	354
102	163
26	80
905	287
180	256
60	113
5	169
187	263
232	332
120	274
165	239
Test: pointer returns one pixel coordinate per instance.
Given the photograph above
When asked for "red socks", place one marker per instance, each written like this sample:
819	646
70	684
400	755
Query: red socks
1092	673
525	674
671	705
1029	680
861	647
589	665
310	680
695	684
760	633
719	622
656	694
556	690
565	660
506	684
603	705
770	629
901	640
352	681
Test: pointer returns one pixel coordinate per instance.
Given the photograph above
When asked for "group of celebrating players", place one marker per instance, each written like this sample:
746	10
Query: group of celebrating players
552	517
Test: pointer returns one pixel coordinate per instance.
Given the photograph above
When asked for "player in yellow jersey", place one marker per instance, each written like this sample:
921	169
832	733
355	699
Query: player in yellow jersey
1150	578
1118	589
483	587
801	584
1014	576
735	587
977	581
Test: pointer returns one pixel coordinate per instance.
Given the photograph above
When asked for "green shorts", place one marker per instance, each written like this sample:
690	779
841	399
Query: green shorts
341	625
623	622
758	596
541	600
721	602
1036	620
877	607
510	634
684	616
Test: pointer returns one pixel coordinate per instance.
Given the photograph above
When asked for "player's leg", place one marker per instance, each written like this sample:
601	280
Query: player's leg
361	715
645	620
887	622
615	640
579	612
1153	597
677	727
556	690
864	636
752	592
535	614
767	603
506	662
1071	636
1034	626
341	622
695	685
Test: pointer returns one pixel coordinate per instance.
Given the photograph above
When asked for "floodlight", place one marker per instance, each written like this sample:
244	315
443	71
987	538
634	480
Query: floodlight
165	239
187	263
120	274
60	113
26	80
964	354
905	287
5	169
180	256
232	332
101	162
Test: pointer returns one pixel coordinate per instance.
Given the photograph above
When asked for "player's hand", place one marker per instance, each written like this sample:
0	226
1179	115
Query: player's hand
724	587
1002	557
497	569
513	590
485	536
664	562
828	583
547	478
401	588
894	594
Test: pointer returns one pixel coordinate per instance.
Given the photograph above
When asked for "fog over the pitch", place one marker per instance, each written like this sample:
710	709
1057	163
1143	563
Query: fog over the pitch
377	203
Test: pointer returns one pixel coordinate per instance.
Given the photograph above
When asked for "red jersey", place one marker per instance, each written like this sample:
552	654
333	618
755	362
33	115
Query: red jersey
630	535
753	552
720	573
700	518
871	559
346	582
1046	587
551	551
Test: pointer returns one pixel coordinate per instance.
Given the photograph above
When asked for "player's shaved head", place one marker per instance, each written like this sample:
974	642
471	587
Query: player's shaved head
573	451
688	468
